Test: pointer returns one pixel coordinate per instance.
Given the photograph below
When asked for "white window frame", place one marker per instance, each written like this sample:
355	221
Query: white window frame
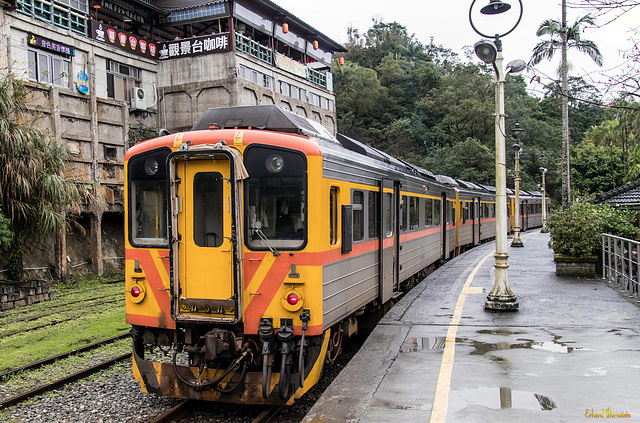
48	68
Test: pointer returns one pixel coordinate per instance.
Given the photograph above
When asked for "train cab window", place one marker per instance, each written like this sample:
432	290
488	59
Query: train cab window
428	212
148	224
275	199
436	211
208	209
403	214
414	213
388	214
374	214
358	215
333	215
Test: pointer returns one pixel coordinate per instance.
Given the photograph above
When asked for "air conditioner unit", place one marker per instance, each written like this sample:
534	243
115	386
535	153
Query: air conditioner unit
138	98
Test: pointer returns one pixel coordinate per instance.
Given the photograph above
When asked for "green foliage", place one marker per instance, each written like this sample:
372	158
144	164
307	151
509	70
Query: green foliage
596	168
34	194
6	234
468	160
141	133
577	230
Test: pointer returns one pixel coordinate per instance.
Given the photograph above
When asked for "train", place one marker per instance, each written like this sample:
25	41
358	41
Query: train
257	241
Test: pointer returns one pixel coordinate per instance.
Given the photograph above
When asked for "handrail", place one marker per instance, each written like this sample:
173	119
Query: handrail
621	264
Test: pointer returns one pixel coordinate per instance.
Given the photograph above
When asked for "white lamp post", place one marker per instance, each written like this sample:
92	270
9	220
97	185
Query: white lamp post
544	201
501	296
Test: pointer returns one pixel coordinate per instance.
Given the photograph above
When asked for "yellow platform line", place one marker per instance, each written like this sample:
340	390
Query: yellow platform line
441	400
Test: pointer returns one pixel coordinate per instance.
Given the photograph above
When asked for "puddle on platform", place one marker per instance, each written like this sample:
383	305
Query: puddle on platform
499	398
481	348
417	344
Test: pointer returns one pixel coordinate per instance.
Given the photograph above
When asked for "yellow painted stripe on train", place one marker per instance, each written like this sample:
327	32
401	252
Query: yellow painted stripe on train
258	277
441	400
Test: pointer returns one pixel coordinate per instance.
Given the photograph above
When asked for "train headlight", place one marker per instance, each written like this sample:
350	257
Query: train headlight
151	166
274	163
292	300
135	291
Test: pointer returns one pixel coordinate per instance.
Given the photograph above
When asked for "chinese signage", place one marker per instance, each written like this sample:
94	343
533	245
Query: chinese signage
187	47
123	40
126	9
215	43
53	46
290	65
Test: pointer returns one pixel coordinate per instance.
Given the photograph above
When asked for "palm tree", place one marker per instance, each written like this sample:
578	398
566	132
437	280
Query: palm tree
562	38
34	195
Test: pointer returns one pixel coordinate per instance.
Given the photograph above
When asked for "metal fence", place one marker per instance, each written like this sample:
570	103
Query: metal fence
621	264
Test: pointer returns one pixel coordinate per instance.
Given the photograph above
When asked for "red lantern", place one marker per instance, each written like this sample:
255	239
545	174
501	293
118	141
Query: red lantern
315	44
341	61
285	28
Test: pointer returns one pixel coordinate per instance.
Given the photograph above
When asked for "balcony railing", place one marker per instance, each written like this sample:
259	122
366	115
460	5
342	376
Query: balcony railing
316	77
621	264
265	54
254	49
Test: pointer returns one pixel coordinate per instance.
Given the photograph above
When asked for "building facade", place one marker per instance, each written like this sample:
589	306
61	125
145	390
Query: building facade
105	74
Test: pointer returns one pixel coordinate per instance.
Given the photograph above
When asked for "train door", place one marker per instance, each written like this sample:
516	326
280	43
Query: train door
524	220
204	237
388	234
476	221
443	222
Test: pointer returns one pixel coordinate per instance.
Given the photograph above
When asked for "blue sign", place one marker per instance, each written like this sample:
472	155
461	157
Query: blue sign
82	82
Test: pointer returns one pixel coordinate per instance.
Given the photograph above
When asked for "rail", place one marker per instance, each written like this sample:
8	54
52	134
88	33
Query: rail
621	264
254	49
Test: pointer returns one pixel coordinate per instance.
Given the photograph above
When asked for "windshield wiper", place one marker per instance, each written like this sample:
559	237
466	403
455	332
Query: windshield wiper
256	229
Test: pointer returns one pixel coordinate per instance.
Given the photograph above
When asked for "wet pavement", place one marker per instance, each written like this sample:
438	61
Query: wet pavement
570	354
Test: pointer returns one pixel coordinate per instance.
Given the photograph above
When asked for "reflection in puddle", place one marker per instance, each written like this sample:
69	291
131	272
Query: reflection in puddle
498	398
417	344
553	347
481	348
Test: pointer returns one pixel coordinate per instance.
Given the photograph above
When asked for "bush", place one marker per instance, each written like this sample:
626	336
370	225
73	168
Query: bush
577	231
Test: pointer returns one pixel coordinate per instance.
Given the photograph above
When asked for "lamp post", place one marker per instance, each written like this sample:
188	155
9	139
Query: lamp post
544	202
517	132
501	296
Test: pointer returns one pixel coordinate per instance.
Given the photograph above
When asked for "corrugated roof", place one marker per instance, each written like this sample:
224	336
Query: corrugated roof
170	5
626	195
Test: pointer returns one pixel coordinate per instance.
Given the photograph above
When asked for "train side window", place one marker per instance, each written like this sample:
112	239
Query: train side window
436	211
428	212
465	211
452	211
358	215
388	214
414	213
333	215
374	214
208	209
403	214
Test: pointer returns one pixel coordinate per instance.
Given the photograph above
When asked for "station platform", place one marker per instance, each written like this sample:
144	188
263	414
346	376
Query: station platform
571	353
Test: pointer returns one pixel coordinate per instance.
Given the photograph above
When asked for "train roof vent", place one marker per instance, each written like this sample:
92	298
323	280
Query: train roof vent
360	148
447	180
268	117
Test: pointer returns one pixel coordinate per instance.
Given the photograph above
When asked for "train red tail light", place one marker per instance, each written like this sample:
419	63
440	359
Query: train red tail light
292	299
135	291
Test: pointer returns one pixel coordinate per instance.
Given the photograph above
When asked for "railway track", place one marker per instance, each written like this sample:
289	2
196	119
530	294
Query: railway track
50	360
62	381
183	409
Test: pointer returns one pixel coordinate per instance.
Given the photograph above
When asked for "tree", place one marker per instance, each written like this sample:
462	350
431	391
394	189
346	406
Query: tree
34	194
468	160
562	38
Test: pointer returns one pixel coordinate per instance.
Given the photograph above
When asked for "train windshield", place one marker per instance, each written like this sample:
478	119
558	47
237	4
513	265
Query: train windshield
275	199
148	200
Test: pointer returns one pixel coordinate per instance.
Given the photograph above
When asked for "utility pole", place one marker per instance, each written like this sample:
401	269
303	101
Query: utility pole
566	165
